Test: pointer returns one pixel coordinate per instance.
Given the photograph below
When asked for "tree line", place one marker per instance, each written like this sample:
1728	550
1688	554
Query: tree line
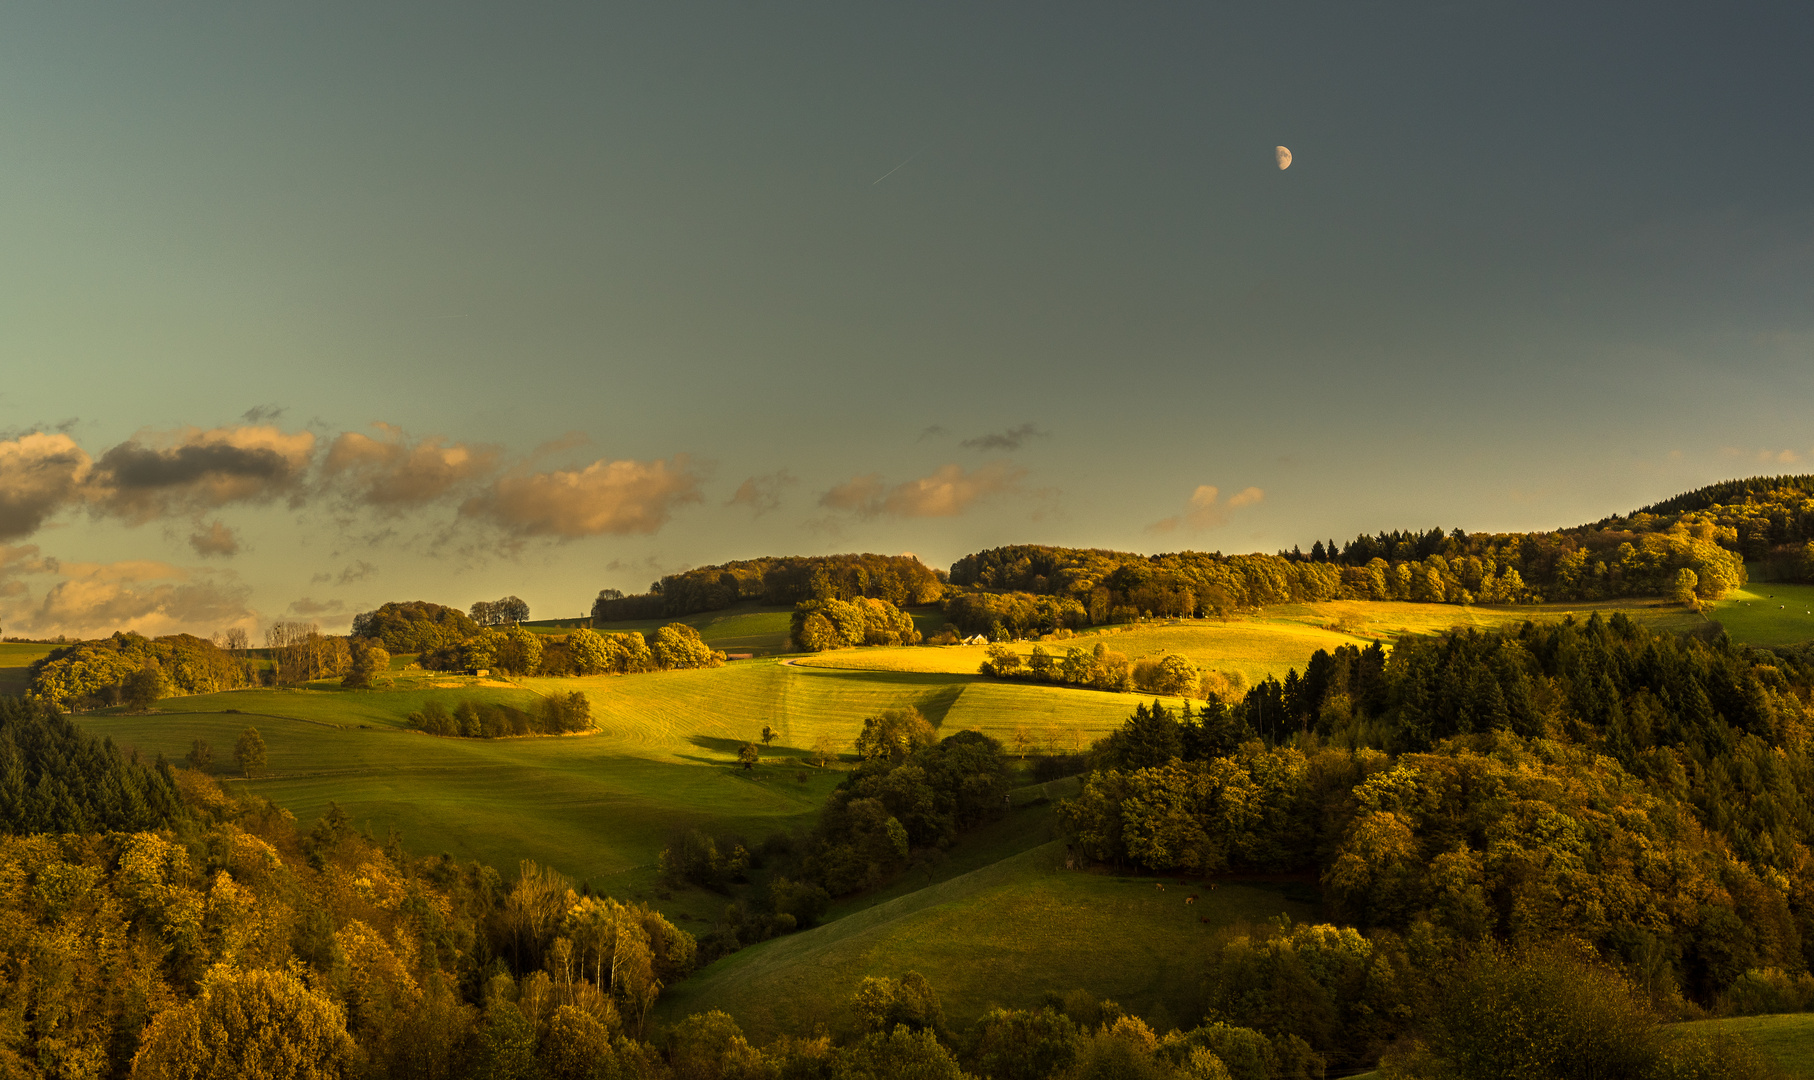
901	580
1103	668
560	714
455	642
1021	590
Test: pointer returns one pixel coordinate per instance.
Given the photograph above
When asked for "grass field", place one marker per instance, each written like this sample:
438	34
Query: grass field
1768	614
1002	934
597	807
1786	1039
577	803
16	658
1270	643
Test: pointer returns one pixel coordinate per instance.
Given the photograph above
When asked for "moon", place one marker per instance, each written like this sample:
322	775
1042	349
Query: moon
1284	153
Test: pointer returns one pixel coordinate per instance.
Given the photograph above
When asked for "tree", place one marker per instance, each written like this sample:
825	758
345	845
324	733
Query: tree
748	754
1682	591
498	612
248	1025
143	687
678	645
591	654
201	756
894	735
768	735
816	634
249	751
370	662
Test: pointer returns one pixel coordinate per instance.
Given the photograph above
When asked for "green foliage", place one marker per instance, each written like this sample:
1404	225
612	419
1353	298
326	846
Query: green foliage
369	664
1539	1015
1027	588
415	626
1099	668
55	778
900	580
894	735
832	623
693	858
908	793
881	1004
255	1025
678	646
249	752
97	672
557	714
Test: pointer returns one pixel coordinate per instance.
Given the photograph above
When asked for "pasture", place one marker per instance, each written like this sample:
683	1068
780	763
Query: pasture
1768	614
576	803
1270	642
598	807
1786	1039
16	659
1002	934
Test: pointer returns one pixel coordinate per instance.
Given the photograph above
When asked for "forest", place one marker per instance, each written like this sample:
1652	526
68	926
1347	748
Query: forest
901	580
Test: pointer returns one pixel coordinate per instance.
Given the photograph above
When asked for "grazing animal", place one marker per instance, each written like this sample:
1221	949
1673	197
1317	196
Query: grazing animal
1203	918
1160	885
1212	884
1191	899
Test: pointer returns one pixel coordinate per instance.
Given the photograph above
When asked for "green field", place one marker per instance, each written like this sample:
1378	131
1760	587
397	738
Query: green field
16	658
1003	934
577	802
1787	1039
1768	614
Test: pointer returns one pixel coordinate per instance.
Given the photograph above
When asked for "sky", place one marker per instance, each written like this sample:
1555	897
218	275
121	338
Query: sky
304	308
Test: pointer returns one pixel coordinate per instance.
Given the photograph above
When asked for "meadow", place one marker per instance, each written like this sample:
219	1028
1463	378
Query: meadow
1768	614
1003	934
16	658
1786	1039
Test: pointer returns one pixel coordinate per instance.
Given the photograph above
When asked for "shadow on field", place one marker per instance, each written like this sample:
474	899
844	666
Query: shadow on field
771	755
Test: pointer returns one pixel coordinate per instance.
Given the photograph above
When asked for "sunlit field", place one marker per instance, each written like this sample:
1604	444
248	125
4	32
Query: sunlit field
1768	614
1003	934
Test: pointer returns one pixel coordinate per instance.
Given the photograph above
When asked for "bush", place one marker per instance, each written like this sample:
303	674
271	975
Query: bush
1534	1016
1761	991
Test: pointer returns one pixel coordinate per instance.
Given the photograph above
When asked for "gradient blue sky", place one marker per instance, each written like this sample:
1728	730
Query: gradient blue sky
1533	264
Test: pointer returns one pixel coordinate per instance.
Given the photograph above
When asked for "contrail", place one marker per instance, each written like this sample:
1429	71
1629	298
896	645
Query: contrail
897	168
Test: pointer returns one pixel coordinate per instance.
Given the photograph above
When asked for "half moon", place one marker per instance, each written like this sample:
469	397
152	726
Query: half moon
1284	153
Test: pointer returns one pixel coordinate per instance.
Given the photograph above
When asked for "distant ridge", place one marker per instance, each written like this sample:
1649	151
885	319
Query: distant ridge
1726	492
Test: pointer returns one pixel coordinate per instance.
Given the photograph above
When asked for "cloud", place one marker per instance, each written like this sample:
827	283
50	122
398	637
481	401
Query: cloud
393	474
1011	439
614	497
1206	510
861	494
263	414
762	494
39	475
155	474
150	597
1765	456
358	571
216	539
309	608
948	492
934	430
